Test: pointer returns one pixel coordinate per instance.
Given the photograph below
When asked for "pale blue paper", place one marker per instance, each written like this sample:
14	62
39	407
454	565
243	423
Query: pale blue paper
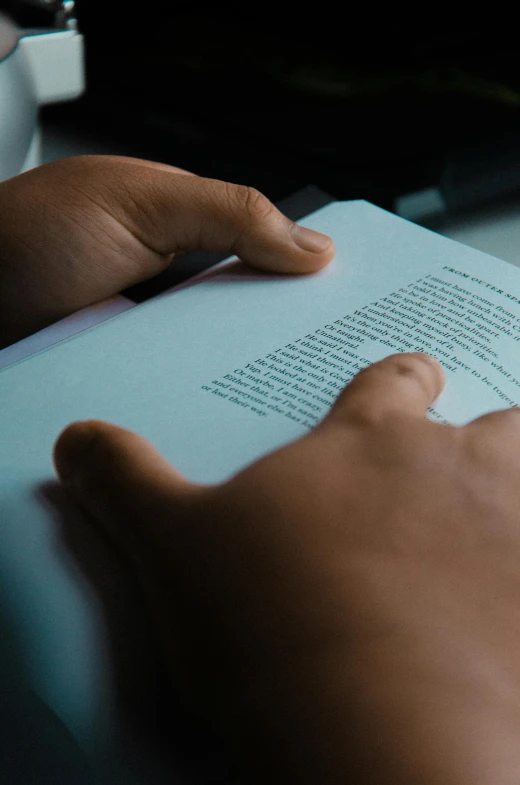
144	369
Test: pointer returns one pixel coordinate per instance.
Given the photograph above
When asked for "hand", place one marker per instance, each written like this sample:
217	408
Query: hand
78	230
347	609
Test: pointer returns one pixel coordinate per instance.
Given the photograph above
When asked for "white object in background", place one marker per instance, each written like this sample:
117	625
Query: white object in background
55	59
37	66
493	228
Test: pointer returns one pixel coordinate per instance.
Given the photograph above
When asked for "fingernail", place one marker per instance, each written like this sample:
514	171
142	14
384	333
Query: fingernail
72	450
309	240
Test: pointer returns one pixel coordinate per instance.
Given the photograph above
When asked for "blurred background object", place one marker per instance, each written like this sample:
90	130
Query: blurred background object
39	65
412	111
363	104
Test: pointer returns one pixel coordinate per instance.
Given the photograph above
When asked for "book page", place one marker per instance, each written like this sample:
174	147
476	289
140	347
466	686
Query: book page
64	328
215	375
470	325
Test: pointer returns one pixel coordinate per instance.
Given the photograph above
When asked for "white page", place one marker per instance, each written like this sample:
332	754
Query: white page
161	369
64	328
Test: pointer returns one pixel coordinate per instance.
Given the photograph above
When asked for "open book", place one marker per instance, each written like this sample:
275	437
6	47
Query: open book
216	374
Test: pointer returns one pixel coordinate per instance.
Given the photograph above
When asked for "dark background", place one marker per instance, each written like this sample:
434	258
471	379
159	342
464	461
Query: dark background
363	105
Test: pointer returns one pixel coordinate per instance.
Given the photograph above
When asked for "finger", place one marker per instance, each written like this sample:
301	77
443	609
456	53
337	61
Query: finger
169	212
501	428
402	384
492	443
124	483
78	230
152	164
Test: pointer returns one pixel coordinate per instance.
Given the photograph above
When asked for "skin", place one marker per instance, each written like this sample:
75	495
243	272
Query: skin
78	230
346	609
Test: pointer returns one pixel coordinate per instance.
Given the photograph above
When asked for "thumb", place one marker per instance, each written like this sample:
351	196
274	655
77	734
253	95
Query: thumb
124	483
169	212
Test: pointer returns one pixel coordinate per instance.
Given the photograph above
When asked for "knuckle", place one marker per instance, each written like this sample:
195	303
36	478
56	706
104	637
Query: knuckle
253	202
492	433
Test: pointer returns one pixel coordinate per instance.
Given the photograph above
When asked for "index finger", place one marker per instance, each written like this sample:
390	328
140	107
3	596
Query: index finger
404	384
